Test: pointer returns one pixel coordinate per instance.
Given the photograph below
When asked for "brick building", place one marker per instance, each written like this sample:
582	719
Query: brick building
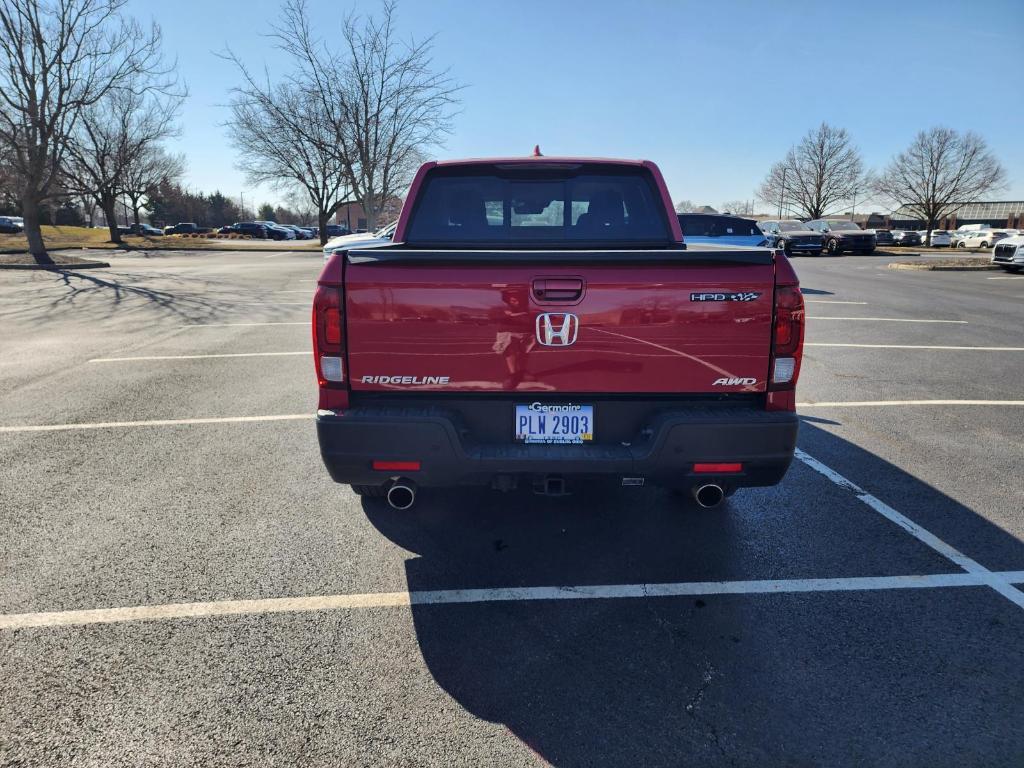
353	216
996	214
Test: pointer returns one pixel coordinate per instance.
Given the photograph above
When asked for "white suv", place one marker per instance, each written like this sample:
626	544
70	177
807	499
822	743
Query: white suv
1009	253
982	238
940	238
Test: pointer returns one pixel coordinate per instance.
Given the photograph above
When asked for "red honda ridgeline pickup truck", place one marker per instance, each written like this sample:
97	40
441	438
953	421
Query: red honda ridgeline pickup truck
540	320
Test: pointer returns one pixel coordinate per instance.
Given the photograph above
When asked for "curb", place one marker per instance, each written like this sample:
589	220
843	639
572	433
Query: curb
945	267
57	267
240	249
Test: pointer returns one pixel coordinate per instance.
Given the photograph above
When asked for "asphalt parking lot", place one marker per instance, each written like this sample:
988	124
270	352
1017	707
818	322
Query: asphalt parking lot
182	584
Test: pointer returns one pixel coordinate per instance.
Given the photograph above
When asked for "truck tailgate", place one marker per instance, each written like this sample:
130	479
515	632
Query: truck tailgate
699	326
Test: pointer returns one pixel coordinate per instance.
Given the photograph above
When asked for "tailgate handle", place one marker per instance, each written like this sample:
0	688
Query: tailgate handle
558	289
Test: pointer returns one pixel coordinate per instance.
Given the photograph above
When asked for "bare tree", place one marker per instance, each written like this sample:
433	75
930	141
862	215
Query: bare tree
57	58
301	208
940	172
394	107
735	206
284	139
686	206
111	135
9	185
146	171
358	117
816	175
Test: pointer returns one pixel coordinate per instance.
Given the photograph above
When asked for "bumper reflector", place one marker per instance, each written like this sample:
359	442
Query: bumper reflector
397	466
717	469
784	367
331	368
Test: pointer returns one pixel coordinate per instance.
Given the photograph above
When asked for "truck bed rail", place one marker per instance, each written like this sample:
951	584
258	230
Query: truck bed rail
400	254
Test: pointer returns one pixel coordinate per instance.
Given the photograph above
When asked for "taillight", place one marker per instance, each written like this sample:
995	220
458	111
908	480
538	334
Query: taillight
787	337
328	336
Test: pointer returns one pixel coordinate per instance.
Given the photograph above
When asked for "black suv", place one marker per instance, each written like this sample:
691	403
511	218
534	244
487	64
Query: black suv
792	236
842	236
250	228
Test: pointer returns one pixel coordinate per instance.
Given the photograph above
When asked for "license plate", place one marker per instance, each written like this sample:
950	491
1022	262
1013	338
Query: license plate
554	423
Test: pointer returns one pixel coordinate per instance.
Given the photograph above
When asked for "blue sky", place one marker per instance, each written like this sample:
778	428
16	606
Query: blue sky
714	92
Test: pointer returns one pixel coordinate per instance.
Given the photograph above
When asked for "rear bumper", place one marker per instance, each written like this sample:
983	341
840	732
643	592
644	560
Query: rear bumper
763	441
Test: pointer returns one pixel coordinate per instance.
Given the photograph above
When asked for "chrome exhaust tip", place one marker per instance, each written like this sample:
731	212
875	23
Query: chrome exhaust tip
401	495
709	496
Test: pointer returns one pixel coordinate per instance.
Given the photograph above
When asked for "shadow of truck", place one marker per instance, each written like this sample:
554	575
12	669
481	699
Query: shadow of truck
927	677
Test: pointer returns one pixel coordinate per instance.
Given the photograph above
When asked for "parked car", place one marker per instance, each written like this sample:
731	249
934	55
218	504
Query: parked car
360	240
884	237
1008	253
10	225
447	357
334	230
982	238
301	233
145	230
940	238
276	231
792	236
250	228
721	229
905	237
186	228
842	236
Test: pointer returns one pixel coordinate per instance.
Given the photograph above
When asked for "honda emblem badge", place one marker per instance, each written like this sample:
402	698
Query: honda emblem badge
557	329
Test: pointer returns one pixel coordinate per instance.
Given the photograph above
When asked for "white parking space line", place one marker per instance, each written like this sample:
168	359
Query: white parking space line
165	611
235	325
832	301
196	357
273	303
157	423
887	319
308	291
1008	277
881	403
995	581
914	346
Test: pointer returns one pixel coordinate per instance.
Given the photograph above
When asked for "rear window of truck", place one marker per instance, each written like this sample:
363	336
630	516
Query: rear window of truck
538	206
